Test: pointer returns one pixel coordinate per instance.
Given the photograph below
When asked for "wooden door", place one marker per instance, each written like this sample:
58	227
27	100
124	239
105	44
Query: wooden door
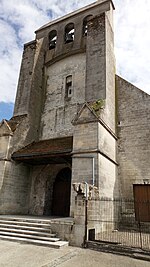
142	202
61	193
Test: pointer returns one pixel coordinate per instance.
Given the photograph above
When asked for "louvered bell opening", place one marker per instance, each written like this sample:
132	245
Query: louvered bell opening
69	37
52	44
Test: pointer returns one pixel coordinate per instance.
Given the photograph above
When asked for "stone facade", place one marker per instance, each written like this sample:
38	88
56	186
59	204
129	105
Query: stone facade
133	136
68	89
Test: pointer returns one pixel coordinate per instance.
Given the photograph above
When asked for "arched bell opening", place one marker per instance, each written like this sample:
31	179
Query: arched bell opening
85	25
69	33
52	39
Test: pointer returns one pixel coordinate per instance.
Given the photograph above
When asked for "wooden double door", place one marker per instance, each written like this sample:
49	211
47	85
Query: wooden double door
61	193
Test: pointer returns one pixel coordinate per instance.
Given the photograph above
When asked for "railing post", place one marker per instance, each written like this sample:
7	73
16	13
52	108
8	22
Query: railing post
139	224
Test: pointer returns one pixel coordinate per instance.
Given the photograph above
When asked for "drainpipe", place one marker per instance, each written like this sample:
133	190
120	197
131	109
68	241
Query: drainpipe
86	221
93	172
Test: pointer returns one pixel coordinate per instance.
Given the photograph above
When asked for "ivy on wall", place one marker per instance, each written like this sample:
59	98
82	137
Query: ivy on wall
98	105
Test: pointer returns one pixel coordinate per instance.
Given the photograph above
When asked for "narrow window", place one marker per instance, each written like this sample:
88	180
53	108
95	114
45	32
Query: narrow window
85	24
52	39
69	87
69	33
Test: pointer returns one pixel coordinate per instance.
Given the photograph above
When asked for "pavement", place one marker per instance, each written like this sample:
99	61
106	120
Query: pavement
13	254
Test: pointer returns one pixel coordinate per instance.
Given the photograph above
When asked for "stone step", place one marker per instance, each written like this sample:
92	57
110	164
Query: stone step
39	224
30	230
24	219
27	232
15	226
57	244
30	236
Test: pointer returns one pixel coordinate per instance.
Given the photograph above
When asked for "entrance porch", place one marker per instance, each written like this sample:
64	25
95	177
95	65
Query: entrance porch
49	188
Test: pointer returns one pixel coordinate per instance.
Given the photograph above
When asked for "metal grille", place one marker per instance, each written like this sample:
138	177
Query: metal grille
121	223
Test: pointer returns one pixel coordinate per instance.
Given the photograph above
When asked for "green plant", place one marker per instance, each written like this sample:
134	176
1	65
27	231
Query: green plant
98	105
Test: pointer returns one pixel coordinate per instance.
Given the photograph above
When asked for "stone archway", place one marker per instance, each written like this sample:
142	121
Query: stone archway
61	193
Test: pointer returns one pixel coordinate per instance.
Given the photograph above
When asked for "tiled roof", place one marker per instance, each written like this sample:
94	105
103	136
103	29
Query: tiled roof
45	148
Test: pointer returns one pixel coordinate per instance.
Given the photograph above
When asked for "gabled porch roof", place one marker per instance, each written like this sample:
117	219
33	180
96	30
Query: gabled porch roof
52	151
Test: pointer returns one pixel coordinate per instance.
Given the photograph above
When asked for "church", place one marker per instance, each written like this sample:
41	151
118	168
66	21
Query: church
78	129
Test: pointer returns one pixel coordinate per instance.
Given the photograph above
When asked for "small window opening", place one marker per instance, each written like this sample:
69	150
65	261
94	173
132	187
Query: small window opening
69	88
69	33
85	24
52	39
91	235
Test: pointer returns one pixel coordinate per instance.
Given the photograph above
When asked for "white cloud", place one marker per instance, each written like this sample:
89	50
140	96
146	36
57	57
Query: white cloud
132	41
20	18
10	56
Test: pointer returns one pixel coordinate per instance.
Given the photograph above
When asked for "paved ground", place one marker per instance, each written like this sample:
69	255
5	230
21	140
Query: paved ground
14	254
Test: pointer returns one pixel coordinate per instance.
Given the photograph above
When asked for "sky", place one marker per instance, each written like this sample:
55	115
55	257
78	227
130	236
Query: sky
20	18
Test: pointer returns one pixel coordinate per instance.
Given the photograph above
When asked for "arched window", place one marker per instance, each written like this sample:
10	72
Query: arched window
69	33
52	39
85	24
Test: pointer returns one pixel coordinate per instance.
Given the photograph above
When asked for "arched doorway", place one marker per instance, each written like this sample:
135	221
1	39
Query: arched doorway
61	193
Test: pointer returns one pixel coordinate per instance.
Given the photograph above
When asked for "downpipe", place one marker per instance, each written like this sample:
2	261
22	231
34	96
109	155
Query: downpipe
86	218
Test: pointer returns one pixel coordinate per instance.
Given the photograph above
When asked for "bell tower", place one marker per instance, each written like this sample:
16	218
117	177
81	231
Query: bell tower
65	106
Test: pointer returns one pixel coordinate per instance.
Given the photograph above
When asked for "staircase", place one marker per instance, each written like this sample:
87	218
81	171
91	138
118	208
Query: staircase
29	230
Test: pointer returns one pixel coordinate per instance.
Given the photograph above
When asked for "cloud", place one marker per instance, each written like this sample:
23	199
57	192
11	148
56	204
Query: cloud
20	18
132	41
18	21
10	56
